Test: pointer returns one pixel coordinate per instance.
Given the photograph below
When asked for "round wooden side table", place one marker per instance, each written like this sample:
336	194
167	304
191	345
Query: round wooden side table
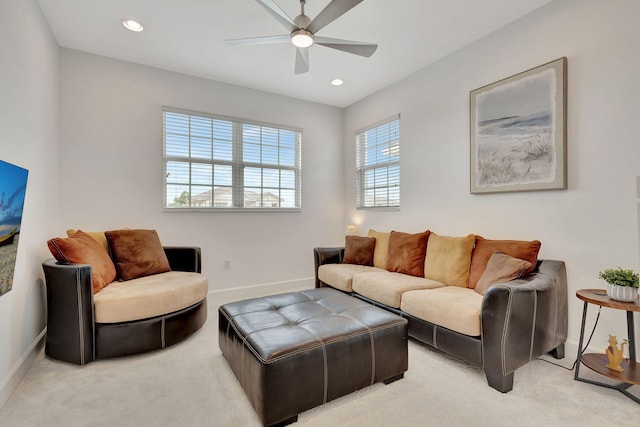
598	361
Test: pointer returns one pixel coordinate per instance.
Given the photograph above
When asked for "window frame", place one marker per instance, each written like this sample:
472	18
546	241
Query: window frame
237	164
360	151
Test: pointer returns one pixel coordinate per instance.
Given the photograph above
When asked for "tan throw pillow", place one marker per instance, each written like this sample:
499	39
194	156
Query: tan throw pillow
501	268
83	249
98	236
448	259
137	253
380	254
358	250
406	253
527	251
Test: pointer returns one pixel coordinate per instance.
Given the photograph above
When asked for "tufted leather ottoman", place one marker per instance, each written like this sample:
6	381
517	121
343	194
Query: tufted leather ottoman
294	351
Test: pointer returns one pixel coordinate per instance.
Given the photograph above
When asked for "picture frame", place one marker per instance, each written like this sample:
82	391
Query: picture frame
518	128
13	186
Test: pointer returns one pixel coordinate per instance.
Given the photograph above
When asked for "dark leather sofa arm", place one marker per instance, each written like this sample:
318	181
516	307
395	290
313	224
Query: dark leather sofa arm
522	320
70	318
184	258
326	256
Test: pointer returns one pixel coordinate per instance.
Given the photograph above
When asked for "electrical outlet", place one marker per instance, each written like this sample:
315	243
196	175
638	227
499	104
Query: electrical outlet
227	264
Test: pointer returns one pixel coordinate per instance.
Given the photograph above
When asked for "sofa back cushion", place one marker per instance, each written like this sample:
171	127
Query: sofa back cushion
526	250
407	252
83	249
448	259
137	253
381	251
359	250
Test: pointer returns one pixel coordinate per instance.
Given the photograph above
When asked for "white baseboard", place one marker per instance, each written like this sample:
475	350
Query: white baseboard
20	369
255	291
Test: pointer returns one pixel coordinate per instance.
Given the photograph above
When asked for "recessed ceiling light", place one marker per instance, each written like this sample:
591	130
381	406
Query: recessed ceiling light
132	25
337	82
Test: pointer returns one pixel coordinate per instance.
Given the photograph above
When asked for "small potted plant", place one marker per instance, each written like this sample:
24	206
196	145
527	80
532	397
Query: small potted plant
622	285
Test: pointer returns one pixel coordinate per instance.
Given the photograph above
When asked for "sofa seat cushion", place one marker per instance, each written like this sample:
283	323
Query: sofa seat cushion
340	276
452	307
149	296
387	287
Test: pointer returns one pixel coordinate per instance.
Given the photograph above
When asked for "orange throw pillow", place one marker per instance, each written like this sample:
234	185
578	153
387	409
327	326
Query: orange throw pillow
137	253
407	252
84	249
527	251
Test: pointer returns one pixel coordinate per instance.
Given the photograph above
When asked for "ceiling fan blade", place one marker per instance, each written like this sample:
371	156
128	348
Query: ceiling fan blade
357	48
280	15
333	11
285	38
302	60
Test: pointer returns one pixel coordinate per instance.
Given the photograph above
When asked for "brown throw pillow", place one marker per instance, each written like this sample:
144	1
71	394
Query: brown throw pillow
359	250
137	253
527	251
83	249
406	253
501	268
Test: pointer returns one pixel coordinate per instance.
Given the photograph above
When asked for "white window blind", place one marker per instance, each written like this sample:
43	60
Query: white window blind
378	165
218	162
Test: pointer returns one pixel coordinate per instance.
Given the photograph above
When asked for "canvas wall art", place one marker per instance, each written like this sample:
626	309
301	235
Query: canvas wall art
13	187
518	132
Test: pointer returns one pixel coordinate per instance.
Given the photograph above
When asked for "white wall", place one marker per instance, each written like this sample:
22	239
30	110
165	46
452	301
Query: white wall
28	138
593	224
111	168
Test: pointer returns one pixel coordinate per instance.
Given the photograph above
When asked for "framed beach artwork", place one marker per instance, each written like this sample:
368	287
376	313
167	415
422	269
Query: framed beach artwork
519	132
13	186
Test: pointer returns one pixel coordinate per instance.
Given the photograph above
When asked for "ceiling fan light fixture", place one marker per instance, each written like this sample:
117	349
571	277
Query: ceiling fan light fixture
132	25
302	38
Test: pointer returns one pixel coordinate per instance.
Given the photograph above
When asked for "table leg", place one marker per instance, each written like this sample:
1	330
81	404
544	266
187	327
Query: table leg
631	336
579	356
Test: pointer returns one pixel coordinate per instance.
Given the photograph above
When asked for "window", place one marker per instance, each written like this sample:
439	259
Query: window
213	162
378	165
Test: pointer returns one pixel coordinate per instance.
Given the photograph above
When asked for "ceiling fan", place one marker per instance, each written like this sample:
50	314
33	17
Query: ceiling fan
303	31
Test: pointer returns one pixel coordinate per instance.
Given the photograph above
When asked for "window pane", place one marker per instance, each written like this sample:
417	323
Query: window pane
288	198
287	157
251	153
178	172
287	179
177	195
253	177
177	145
252	198
223	197
271	177
201	174
222	175
269	155
201	196
222	150
270	198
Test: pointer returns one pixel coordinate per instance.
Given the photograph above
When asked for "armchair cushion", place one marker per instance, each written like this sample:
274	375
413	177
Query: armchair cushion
81	248
137	253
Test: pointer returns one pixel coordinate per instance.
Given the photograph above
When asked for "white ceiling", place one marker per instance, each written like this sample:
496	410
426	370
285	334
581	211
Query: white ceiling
187	36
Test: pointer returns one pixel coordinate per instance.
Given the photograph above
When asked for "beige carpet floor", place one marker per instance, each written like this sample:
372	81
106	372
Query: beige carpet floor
190	384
